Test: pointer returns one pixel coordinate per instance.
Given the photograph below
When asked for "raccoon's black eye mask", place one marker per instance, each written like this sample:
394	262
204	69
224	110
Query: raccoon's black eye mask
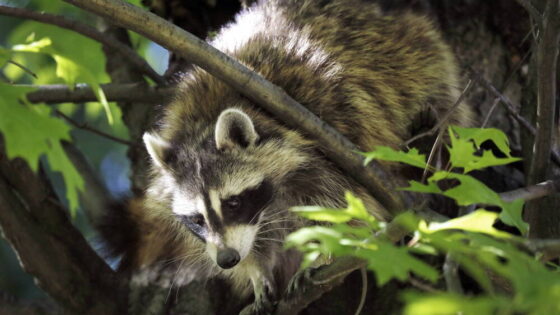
245	206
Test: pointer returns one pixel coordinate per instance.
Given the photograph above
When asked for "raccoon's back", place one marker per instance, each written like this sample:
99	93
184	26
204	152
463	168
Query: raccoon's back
368	73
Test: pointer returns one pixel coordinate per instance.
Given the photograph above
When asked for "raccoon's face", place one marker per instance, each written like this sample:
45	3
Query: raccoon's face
223	185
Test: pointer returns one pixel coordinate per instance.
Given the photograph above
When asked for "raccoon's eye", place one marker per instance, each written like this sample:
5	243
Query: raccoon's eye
198	219
233	203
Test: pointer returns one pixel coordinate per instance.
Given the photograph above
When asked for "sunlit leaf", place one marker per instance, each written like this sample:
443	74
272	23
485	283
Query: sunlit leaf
322	214
480	221
412	157
30	131
72	65
35	46
449	303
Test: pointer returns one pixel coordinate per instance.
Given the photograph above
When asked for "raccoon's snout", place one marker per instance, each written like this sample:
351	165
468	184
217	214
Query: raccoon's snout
228	258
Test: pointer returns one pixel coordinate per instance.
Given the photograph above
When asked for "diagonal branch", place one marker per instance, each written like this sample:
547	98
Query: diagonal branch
87	31
270	97
92	130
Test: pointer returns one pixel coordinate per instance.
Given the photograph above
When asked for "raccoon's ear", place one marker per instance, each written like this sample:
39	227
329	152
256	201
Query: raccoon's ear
235	129
156	147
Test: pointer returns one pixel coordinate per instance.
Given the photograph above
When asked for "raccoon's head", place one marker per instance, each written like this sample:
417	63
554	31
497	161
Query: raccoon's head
225	181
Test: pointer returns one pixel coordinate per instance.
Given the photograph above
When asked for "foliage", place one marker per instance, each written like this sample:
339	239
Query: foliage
30	131
482	251
38	53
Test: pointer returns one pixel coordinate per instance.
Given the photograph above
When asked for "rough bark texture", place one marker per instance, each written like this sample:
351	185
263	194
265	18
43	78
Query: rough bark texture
48	245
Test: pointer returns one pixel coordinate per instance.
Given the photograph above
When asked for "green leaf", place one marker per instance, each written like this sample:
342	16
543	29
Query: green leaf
462	149
389	261
480	221
35	46
486	160
30	131
354	210
472	191
469	191
430	188
449	303
5	55
512	214
358	211
480	135
318	213
66	69
384	153
72	65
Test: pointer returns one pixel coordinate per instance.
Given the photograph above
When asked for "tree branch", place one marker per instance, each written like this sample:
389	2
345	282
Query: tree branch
81	93
270	97
96	196
50	248
92	130
549	247
87	31
547	54
325	279
10	305
539	190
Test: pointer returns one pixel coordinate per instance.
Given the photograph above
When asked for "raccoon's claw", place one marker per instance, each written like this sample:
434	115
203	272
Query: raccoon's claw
265	302
299	281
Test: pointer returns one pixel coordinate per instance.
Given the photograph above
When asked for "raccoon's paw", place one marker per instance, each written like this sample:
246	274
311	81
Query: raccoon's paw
300	281
265	302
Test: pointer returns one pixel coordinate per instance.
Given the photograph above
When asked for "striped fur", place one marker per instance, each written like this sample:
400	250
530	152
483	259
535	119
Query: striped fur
368	73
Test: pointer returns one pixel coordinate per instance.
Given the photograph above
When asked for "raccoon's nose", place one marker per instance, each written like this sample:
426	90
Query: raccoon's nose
228	258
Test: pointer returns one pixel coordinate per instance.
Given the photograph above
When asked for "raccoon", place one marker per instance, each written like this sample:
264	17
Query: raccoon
225	172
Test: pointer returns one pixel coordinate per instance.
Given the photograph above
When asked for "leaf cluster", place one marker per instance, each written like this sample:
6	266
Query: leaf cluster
485	253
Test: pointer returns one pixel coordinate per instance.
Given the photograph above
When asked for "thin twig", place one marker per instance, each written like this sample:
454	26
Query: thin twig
87	31
445	118
24	68
115	92
511	108
363	274
93	130
509	79
422	286
533	11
